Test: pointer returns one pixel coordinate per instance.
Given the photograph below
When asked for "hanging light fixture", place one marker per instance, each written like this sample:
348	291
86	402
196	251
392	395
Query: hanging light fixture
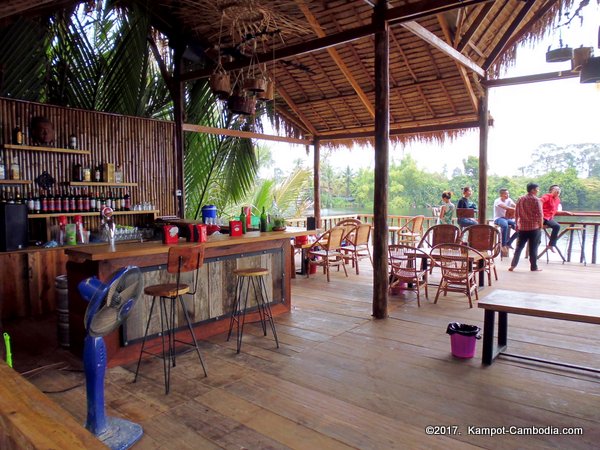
590	71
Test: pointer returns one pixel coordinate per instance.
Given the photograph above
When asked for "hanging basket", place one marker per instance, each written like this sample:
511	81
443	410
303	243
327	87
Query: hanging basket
242	105
255	84
559	54
220	85
268	94
581	55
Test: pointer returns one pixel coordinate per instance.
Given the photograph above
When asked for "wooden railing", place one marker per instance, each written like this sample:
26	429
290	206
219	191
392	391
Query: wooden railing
592	228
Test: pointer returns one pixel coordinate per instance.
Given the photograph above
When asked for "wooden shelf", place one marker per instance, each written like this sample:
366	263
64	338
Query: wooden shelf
94	183
15	182
95	213
38	148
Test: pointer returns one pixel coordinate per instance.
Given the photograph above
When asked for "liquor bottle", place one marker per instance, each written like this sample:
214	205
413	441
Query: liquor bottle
58	203
30	202
263	220
86	201
92	201
15	169
243	220
79	200
72	202
3	196
2	169
127	202
43	202
72	141
37	205
17	136
98	174
50	202
66	203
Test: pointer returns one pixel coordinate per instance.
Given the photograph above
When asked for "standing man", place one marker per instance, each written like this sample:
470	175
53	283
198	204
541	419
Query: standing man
551	205
503	205
530	220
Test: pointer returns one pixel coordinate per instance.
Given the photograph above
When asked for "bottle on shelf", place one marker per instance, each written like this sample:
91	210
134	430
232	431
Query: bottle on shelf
127	202
2	169
86	201
17	136
72	141
98	173
11	198
37	205
66	203
43	202
15	169
119	174
30	202
93	197
72	202
50	201
243	220
77	172
263	220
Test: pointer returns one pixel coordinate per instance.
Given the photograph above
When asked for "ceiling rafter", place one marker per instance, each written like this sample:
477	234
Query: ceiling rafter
463	72
305	120
508	34
442	46
474	27
395	15
314	23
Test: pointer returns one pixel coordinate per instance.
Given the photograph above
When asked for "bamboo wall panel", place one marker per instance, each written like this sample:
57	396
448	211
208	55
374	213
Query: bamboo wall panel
144	148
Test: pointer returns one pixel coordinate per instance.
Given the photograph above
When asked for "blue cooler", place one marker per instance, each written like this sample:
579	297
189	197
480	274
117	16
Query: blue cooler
209	212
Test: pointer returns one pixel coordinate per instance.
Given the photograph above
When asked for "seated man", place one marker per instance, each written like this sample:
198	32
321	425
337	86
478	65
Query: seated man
551	205
466	202
504	206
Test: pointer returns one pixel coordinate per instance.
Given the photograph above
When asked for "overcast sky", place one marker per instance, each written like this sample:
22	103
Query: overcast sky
525	116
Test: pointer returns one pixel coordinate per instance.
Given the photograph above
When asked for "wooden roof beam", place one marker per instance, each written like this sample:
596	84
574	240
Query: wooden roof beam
307	123
243	134
406	131
463	72
550	76
466	38
502	43
442	46
335	56
398	14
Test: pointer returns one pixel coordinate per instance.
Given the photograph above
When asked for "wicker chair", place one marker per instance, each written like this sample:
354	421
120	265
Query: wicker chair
411	232
456	263
440	234
408	265
356	245
486	239
326	251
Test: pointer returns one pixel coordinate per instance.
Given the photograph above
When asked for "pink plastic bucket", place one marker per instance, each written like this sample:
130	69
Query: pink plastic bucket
463	346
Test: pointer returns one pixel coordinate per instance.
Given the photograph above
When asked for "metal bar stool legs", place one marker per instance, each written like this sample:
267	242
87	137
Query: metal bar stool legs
254	277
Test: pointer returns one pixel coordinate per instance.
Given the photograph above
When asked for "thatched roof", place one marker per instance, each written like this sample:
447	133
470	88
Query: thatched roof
321	54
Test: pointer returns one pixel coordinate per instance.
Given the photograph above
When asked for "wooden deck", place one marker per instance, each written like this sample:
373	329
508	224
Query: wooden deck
344	380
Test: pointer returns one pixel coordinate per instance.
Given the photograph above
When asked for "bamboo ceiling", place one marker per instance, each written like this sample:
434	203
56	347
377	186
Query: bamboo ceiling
321	55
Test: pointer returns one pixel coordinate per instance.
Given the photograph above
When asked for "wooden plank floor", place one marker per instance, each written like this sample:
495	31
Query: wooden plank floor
343	380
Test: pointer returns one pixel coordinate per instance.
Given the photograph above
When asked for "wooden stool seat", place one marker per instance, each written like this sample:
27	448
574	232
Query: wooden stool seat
181	259
251	272
167	290
247	277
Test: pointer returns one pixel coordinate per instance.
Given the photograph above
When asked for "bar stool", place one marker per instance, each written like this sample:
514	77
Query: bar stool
579	231
180	260
251	276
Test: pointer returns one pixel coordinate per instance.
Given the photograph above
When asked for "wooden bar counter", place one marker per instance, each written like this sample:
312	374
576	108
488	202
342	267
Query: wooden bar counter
209	309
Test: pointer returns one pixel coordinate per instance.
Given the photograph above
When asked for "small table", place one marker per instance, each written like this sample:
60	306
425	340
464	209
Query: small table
503	302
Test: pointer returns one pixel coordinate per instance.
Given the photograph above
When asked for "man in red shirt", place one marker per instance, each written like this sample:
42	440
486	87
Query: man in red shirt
551	205
530	220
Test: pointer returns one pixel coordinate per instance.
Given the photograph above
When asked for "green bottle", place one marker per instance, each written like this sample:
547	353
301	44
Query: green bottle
243	220
264	223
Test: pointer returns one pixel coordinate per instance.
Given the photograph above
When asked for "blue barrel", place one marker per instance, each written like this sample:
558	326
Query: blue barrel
209	212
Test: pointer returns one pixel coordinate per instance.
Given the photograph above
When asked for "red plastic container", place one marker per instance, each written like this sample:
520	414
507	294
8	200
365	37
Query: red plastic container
170	234
235	228
201	233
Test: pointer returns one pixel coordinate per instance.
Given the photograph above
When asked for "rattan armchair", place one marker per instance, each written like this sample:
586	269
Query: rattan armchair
486	239
356	245
326	251
408	265
410	233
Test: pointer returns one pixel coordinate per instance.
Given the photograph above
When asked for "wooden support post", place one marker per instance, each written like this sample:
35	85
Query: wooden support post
178	115
317	181
382	136
483	154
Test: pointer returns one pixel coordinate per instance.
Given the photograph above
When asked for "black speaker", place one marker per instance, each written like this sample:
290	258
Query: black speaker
13	227
311	223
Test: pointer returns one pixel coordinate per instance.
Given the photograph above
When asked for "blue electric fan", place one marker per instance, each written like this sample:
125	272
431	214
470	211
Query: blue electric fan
109	305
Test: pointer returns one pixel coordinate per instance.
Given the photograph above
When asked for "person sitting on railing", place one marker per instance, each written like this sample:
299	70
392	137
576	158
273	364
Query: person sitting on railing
466	202
447	208
503	206
551	205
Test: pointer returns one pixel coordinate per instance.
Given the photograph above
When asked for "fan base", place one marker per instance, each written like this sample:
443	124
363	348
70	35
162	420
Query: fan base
120	434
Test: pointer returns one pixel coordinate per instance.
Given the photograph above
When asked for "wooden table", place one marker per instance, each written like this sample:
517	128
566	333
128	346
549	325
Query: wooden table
503	302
